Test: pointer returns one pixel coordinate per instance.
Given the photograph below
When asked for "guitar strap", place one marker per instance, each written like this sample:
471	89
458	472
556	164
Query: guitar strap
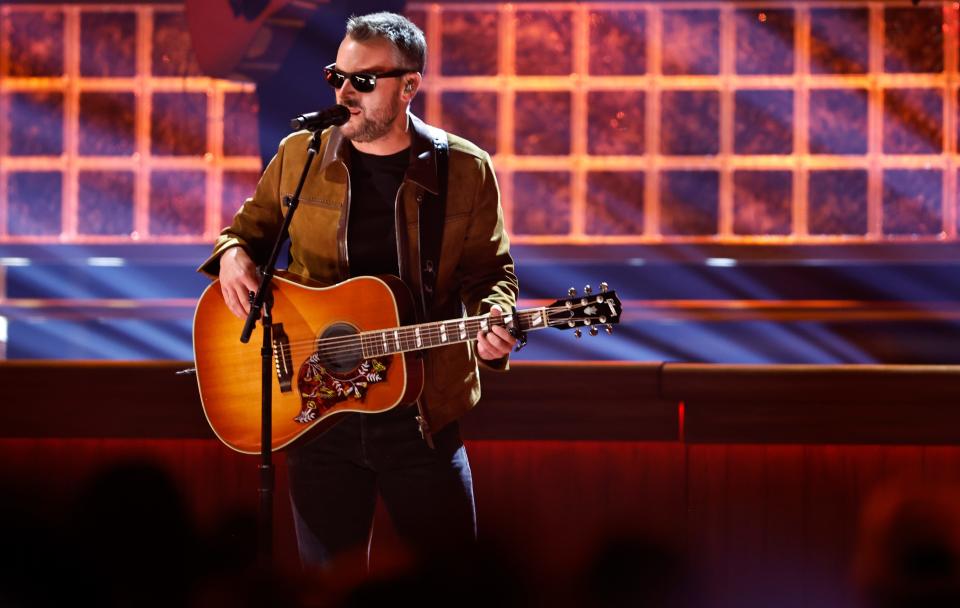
432	215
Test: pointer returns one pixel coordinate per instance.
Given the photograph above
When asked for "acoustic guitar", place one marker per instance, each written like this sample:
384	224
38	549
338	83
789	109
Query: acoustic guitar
343	348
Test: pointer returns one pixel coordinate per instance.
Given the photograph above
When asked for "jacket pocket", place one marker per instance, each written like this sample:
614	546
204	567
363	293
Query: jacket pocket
316	202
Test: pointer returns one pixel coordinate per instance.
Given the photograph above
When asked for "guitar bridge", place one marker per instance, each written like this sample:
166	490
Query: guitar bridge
282	360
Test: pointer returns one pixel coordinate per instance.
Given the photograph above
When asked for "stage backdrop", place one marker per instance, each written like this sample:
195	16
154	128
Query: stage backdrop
762	182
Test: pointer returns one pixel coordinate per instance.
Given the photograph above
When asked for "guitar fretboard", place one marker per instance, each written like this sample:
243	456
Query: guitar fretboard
441	333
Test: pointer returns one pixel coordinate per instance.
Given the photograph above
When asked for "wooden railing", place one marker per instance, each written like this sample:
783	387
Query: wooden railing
895	404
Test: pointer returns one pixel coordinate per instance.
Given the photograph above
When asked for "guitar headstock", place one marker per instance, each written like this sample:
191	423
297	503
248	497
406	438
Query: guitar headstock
588	310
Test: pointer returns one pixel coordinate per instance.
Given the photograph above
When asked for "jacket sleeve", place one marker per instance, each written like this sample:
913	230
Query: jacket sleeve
256	223
486	267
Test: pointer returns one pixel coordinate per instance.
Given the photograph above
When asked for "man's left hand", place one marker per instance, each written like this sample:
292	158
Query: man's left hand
496	342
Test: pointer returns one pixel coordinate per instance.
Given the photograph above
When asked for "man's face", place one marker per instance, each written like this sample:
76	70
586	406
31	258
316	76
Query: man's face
374	113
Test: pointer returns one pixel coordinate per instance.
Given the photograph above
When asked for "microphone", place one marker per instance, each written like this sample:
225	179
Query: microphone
315	121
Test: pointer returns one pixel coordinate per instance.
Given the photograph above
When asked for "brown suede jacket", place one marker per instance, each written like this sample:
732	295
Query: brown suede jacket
475	263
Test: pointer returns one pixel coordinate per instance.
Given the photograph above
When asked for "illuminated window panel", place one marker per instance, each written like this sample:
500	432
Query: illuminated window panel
913	39
616	123
763	122
701	58
762	202
911	201
839	40
542	202
240	124
765	41
178	124
237	186
838	202
618	42
615	203
470	43
471	114
35	121
173	197
108	44
729	122
34	203
690	123
105	203
913	121
33	42
543	42
689	203
543	123
107	124
838	121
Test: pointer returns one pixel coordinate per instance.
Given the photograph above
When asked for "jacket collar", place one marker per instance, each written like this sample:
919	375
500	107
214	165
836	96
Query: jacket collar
423	156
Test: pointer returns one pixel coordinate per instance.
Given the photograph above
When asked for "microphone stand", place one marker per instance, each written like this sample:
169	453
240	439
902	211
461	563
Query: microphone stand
260	308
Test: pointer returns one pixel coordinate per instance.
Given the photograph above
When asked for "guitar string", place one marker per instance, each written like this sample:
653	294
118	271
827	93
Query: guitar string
376	336
429	331
357	348
432	330
355	343
371	346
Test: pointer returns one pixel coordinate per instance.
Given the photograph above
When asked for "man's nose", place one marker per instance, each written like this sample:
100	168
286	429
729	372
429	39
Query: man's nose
347	87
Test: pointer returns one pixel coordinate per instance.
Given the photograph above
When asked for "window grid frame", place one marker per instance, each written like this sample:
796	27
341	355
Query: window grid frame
505	85
142	162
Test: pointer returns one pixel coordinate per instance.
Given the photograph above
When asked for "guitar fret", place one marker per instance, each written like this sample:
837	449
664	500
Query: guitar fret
439	333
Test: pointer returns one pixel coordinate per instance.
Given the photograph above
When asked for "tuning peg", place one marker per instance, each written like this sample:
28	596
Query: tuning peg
577	333
609	329
604	287
594	331
572	291
587	290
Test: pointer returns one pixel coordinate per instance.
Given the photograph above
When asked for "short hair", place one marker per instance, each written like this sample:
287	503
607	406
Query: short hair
398	30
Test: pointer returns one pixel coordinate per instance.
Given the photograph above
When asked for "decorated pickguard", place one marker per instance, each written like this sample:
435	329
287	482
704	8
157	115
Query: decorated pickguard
320	389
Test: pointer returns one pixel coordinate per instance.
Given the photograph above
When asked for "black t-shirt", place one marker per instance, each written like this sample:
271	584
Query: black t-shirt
371	236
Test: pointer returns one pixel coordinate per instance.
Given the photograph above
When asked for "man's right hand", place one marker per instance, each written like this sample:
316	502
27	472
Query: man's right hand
238	277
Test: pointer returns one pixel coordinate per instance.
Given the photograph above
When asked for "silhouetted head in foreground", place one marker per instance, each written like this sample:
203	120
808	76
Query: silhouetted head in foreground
908	552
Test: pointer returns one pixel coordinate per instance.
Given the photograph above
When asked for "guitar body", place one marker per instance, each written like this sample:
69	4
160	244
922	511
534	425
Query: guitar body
311	385
245	46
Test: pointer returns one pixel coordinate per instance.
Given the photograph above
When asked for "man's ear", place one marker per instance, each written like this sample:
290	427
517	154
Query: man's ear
411	84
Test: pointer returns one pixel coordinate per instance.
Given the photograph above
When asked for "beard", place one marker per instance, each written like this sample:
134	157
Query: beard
373	124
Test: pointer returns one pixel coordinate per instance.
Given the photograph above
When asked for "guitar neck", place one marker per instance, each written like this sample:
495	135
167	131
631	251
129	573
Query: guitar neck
441	333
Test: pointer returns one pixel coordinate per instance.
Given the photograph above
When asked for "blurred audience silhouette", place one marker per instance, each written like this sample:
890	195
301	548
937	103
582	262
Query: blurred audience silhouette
908	552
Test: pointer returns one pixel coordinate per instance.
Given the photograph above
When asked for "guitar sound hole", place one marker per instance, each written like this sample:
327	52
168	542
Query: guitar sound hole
338	353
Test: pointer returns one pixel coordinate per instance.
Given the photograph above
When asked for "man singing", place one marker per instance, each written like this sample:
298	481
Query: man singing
360	211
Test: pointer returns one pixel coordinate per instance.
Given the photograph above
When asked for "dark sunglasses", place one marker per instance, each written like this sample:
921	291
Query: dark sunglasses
364	83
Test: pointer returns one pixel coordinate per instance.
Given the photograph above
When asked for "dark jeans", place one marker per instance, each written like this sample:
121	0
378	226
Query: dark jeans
335	478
